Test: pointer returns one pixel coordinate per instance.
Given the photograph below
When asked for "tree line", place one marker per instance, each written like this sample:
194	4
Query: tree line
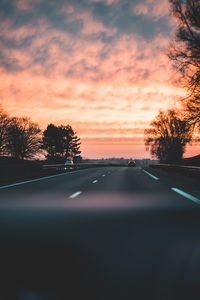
20	138
171	131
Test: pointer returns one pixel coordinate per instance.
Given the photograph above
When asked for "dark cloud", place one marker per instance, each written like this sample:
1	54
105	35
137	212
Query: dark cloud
7	8
9	63
117	16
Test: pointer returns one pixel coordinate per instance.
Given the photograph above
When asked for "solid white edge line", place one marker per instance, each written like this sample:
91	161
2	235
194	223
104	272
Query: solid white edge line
154	177
75	195
95	181
35	180
186	195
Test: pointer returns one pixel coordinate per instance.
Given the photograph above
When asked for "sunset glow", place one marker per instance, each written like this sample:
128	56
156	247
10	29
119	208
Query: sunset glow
98	65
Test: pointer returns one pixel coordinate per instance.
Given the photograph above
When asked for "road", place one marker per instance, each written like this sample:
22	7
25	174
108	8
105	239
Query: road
112	180
115	233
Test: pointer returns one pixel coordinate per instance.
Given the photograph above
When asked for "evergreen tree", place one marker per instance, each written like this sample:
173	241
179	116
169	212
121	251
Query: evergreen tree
61	143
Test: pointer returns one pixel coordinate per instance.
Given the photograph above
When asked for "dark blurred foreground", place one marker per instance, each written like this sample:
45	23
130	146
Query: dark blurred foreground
99	247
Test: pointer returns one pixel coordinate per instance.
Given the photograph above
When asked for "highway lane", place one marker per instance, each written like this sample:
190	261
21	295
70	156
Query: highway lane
189	184
108	180
115	233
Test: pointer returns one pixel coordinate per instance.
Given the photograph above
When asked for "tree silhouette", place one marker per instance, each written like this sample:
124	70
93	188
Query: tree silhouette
23	138
61	143
51	141
185	51
168	136
4	122
77	159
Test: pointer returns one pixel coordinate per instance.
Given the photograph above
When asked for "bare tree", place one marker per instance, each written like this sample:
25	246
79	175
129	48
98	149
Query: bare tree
23	138
168	136
4	122
185	52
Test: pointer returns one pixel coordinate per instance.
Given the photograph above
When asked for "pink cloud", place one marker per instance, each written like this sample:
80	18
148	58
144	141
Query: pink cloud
119	87
26	4
153	8
108	2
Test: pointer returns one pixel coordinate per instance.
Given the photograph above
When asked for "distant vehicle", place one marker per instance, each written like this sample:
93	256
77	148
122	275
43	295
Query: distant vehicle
131	163
69	162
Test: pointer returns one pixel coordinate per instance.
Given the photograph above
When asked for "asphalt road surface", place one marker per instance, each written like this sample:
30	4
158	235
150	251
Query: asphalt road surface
102	233
113	180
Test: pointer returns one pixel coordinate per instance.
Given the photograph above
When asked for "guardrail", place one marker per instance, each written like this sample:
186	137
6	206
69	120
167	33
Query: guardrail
178	168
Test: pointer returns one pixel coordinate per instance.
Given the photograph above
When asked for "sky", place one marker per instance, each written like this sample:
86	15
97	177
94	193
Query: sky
98	65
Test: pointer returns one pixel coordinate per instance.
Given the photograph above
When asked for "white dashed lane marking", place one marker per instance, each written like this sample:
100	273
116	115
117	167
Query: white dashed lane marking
75	195
186	195
152	176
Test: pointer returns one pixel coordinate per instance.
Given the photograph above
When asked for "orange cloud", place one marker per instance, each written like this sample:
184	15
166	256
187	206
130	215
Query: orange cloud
104	83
